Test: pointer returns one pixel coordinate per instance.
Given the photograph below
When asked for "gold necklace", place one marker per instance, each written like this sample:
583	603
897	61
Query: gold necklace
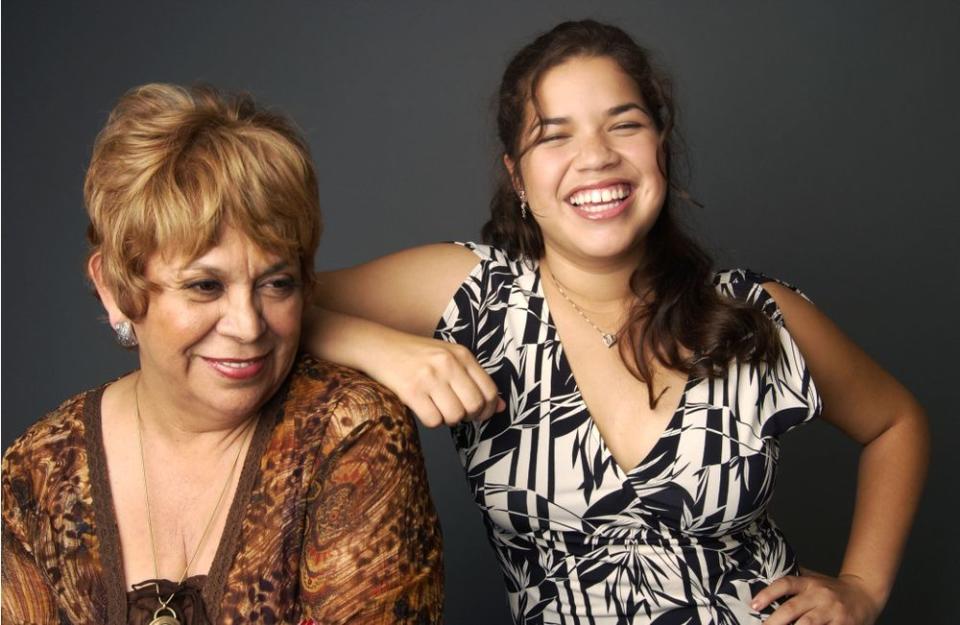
608	339
165	615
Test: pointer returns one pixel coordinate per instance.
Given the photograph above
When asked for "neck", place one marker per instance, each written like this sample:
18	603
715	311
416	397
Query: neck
601	285
168	424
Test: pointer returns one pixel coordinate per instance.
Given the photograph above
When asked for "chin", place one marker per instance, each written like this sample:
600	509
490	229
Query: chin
241	403
610	249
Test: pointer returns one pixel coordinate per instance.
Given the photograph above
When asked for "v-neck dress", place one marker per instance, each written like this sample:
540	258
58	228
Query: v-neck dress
681	538
331	521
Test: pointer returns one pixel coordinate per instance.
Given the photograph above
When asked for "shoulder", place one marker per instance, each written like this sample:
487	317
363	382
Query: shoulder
495	256
57	431
786	395
496	269
480	302
332	402
756	289
322	383
50	453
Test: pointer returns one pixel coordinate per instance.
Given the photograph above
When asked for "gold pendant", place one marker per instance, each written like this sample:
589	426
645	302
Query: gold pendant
165	619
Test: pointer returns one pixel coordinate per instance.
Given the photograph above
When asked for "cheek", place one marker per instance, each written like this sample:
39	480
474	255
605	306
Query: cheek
648	164
646	155
175	327
543	173
285	318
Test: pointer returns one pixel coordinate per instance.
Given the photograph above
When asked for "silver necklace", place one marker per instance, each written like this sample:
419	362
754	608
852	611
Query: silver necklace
166	615
608	339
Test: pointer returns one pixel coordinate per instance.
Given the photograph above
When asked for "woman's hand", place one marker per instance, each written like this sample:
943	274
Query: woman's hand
819	599
441	382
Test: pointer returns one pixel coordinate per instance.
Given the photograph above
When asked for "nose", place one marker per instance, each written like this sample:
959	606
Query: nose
241	318
595	153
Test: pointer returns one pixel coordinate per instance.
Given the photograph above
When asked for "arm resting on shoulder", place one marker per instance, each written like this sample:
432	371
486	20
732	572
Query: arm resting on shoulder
871	407
406	291
378	318
372	551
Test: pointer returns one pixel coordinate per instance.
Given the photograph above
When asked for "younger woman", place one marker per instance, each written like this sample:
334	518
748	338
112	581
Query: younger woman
628	478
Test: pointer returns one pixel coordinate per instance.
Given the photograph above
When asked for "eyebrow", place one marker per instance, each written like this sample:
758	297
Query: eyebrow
611	112
623	108
202	267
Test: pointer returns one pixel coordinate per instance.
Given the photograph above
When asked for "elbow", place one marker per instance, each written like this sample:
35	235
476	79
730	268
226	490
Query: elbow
915	418
920	424
910	433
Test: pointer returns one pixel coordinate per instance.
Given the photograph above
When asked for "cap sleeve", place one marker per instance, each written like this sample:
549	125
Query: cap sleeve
788	396
475	315
747	286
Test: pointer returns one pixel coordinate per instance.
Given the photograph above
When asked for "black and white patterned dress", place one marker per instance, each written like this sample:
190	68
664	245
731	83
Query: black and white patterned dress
682	538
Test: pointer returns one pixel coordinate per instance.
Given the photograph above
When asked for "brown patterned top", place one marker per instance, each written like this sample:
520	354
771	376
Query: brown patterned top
331	521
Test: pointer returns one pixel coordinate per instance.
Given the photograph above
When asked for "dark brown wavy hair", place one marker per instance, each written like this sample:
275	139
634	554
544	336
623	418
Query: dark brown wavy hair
677	306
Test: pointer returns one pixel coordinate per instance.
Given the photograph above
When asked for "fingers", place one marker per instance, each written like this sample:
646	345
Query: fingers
814	599
787	585
804	610
788	612
470	395
450	404
449	387
792	612
492	403
424	409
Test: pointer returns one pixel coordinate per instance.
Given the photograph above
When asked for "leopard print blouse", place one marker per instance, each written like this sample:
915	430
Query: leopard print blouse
332	521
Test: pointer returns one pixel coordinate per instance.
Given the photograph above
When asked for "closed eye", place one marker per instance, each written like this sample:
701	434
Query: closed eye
280	285
205	287
553	138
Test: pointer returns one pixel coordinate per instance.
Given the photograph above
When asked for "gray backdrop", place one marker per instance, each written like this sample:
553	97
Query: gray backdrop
823	140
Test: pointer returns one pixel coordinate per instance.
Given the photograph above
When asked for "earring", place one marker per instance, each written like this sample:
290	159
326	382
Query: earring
126	337
523	204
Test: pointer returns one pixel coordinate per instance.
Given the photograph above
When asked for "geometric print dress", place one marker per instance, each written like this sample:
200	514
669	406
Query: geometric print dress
683	537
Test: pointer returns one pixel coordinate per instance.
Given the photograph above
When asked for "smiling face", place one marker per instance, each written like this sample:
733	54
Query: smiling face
221	331
592	179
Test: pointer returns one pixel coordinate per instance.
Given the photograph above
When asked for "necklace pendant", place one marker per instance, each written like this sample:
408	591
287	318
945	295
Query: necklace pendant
170	618
608	339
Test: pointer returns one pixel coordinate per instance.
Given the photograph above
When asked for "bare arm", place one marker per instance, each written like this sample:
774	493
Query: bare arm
406	291
376	317
870	406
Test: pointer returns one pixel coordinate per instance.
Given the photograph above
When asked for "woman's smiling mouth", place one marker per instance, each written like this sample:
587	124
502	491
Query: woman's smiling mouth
236	369
601	201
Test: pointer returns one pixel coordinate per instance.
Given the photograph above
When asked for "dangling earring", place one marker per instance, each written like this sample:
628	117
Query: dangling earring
126	337
523	204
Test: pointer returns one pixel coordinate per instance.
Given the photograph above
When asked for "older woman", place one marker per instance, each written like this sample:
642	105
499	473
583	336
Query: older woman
227	480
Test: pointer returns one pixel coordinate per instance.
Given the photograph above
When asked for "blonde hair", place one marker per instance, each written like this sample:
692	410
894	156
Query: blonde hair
173	166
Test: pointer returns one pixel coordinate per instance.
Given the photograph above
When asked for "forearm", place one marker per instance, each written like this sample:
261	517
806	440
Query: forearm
346	339
890	480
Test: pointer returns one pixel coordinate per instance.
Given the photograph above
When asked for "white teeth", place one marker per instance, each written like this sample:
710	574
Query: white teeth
596	196
235	364
597	208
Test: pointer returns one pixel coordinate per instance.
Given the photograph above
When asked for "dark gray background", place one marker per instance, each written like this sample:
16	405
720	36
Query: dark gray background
823	139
